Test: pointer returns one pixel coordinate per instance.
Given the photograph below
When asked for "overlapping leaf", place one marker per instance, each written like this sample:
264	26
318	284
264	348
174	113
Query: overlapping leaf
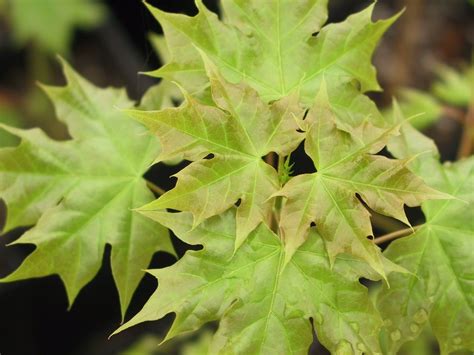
80	192
346	167
440	255
275	46
239	130
262	306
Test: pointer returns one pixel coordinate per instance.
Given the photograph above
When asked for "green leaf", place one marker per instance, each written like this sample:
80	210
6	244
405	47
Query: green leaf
439	255
262	306
51	23
9	117
271	46
422	106
423	345
452	88
455	87
81	192
158	44
347	167
239	130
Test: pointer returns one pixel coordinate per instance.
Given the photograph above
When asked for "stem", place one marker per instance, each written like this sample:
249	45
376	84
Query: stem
465	148
394	235
156	189
275	219
453	113
280	165
39	64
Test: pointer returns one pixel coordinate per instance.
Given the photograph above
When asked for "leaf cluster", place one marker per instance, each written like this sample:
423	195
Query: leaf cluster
279	251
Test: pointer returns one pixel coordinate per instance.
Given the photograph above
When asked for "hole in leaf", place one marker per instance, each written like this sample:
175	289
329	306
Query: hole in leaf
161	174
415	215
305	114
238	202
302	162
176	102
209	156
385	153
316	348
361	200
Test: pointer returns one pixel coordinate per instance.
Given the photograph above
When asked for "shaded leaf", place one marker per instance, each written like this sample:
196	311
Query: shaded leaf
422	106
455	87
51	23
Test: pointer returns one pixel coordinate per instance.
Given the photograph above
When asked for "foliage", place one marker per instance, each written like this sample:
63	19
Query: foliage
276	48
9	117
80	192
278	251
51	23
262	305
438	255
453	88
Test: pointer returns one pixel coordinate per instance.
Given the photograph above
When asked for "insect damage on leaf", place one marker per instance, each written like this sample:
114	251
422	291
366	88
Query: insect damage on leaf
80	192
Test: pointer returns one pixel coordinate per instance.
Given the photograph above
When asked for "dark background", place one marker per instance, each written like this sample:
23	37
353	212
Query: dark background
33	314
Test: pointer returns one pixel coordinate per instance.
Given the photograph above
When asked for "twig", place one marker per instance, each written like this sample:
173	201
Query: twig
453	113
396	234
275	216
465	148
156	189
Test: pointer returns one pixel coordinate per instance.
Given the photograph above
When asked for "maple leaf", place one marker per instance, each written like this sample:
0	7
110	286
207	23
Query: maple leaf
452	88
423	106
8	116
347	167
455	87
439	255
263	307
51	23
275	46
238	130
80	192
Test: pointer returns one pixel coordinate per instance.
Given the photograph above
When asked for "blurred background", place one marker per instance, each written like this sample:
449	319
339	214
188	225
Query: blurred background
425	60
